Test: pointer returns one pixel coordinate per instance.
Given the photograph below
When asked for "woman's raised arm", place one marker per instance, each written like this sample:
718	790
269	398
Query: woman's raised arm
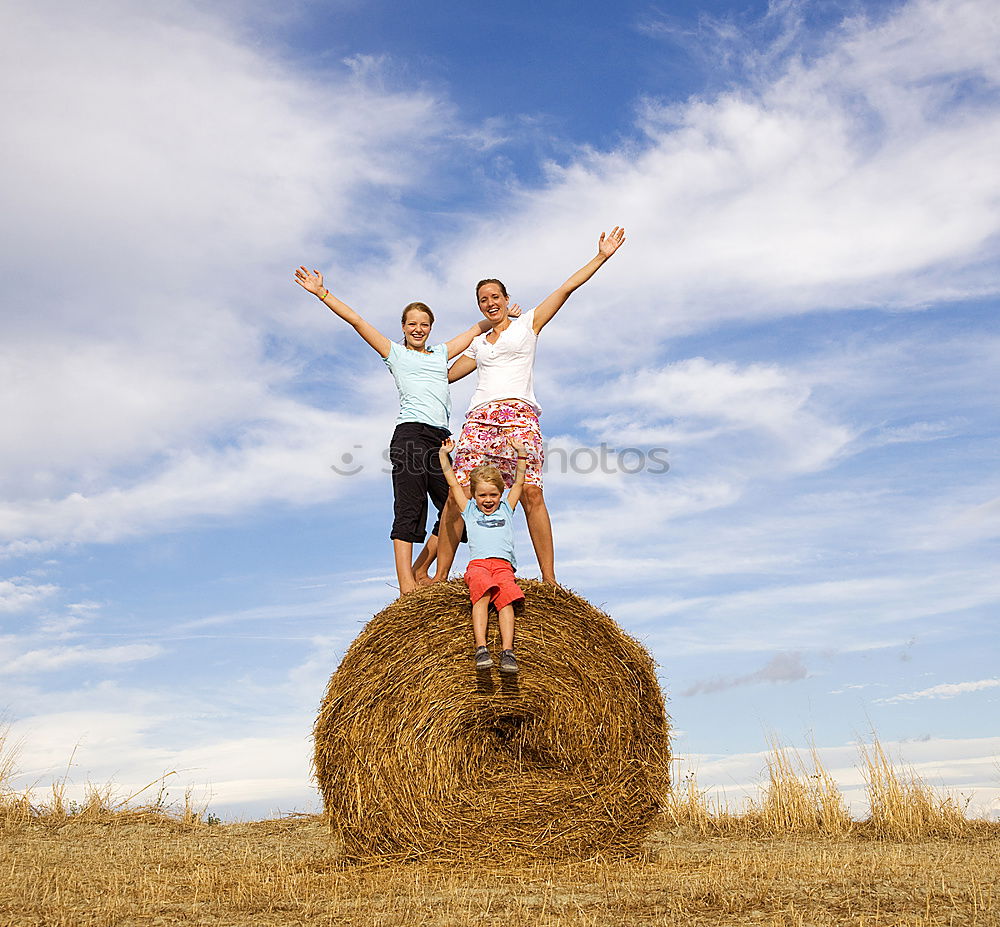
552	303
313	282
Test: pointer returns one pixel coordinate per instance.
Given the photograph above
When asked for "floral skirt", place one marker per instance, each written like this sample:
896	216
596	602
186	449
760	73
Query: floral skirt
485	438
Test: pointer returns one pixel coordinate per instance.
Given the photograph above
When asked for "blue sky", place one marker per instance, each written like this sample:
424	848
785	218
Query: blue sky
802	323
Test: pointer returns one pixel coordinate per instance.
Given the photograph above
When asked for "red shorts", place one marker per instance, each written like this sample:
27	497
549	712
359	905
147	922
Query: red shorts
495	577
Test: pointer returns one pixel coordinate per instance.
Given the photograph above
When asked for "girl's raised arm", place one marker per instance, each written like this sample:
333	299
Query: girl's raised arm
313	282
552	303
461	343
461	368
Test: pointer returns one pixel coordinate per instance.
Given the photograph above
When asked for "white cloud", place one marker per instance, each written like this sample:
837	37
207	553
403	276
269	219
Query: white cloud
694	401
946	690
856	179
840	615
147	263
964	524
17	594
287	457
49	659
128	738
198	177
194	155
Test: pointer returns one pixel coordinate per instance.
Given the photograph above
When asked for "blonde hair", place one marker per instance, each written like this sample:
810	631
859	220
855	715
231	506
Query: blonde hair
486	475
419	307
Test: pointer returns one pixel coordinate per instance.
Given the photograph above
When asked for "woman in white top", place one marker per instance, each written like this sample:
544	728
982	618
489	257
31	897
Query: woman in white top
504	404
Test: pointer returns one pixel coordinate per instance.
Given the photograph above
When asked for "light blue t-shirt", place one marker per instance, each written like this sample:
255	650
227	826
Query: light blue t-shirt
422	381
490	535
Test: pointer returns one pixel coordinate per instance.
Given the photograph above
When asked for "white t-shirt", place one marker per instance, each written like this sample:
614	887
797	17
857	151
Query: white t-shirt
505	369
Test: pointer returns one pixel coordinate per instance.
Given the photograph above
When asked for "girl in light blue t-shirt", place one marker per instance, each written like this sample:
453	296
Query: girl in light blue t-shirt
421	374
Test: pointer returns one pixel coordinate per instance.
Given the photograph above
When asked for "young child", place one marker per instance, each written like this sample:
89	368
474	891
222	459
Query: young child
490	573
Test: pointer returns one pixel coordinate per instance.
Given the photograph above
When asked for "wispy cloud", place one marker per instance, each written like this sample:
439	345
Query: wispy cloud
693	401
214	170
782	667
49	659
834	181
849	180
18	594
946	690
968	524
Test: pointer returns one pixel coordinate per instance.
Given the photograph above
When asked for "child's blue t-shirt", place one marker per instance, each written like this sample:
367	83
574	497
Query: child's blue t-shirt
422	380
490	535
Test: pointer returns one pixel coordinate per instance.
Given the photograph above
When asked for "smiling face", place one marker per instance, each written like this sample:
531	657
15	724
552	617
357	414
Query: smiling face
417	329
487	497
492	302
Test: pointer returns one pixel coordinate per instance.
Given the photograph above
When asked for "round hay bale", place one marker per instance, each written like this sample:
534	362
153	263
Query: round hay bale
417	753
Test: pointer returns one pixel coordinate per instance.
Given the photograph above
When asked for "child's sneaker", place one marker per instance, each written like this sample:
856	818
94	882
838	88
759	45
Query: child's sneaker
483	658
508	663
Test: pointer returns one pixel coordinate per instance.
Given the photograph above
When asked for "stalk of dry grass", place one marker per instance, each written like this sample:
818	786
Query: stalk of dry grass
99	804
803	798
15	809
799	800
904	807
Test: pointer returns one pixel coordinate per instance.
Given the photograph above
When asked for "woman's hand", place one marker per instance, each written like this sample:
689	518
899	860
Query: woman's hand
311	280
447	445
518	446
610	243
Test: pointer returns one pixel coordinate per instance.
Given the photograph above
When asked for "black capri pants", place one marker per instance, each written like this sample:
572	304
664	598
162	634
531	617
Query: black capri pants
416	474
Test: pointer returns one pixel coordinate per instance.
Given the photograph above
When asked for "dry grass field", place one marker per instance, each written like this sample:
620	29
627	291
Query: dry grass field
287	872
796	858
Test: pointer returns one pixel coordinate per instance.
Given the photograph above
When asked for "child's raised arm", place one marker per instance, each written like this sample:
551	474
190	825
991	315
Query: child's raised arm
313	282
514	496
459	494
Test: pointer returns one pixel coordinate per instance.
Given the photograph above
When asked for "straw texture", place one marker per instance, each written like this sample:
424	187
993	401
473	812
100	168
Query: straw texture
418	754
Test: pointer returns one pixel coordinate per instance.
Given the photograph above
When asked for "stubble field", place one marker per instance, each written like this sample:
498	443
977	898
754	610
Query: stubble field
794	857
136	870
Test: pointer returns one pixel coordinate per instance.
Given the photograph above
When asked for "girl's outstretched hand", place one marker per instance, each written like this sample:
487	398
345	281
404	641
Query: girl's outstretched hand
610	243
447	445
514	310
311	280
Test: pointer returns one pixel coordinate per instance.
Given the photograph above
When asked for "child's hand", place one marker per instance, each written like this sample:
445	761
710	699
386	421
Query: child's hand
514	311
447	445
518	446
